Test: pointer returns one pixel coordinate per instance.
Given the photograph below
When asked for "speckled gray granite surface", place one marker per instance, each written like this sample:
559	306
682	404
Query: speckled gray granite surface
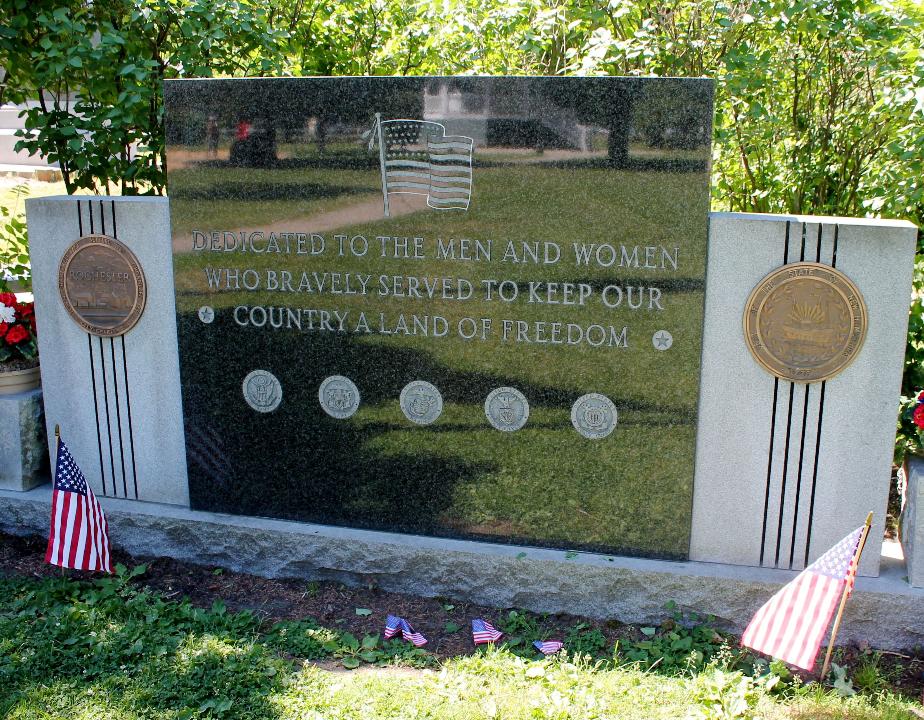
23	446
511	242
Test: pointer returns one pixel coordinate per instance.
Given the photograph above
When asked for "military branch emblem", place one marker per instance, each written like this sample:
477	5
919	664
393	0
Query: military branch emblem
339	397
262	391
506	409
594	416
421	402
805	322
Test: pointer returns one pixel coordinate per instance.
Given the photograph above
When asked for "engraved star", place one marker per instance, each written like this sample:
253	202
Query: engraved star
662	340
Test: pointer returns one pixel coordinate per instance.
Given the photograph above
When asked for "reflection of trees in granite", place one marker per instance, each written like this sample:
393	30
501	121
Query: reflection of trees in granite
251	190
298	463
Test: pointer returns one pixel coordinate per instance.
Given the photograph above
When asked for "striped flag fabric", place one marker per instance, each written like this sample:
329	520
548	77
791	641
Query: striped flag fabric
548	647
417	157
392	626
484	632
792	624
416	638
79	535
395	625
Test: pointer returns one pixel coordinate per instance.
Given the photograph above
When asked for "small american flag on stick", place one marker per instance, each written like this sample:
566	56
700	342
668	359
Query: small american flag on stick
394	625
79	536
484	632
548	647
419	158
792	624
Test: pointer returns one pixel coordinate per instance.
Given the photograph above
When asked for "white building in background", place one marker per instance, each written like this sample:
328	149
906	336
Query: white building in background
18	162
469	114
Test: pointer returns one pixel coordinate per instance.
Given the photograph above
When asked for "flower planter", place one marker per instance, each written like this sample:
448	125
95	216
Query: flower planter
17	381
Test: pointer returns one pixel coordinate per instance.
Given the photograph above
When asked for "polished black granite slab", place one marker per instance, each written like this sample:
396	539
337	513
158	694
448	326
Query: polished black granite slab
466	307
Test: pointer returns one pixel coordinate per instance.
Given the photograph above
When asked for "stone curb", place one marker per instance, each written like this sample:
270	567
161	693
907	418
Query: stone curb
885	612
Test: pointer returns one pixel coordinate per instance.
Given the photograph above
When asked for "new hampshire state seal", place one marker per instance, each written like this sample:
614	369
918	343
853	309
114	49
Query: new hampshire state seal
805	322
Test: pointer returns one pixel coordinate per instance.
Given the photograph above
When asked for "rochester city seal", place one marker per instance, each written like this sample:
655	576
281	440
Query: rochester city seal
339	396
262	391
594	416
421	402
506	409
805	322
102	285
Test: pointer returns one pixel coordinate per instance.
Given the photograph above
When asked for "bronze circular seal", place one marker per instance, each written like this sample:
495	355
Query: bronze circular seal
102	285
805	322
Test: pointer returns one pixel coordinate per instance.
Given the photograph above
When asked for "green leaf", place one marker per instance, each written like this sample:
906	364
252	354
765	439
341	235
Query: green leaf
841	683
363	612
452	627
350	663
648	631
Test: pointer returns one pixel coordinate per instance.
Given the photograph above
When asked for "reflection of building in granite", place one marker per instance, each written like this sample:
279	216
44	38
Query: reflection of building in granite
496	120
546	116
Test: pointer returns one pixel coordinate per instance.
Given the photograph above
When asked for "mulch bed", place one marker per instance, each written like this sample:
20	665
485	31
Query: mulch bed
330	603
334	605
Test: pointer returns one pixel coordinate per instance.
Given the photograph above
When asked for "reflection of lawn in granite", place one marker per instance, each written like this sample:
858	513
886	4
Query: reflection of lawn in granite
518	204
260	197
544	483
638	373
596	214
551	483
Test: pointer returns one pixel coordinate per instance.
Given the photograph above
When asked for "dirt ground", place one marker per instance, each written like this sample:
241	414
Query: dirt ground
334	605
330	603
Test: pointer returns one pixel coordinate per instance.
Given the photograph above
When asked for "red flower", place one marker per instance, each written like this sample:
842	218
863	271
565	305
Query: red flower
8	299
18	333
3	328
25	310
919	416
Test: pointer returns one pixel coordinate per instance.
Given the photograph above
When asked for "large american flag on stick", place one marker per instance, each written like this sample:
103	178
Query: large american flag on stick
418	157
79	536
792	624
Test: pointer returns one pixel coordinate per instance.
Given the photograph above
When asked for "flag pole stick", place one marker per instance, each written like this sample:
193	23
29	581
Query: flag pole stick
840	610
381	133
57	441
57	450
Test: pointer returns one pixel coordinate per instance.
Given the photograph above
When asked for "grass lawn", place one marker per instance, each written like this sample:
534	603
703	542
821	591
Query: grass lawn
113	650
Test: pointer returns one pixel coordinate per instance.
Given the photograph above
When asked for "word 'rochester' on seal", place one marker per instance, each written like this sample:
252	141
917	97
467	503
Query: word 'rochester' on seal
102	285
805	322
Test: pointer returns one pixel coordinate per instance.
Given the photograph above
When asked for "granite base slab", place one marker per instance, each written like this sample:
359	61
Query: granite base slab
912	524
23	445
885	611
